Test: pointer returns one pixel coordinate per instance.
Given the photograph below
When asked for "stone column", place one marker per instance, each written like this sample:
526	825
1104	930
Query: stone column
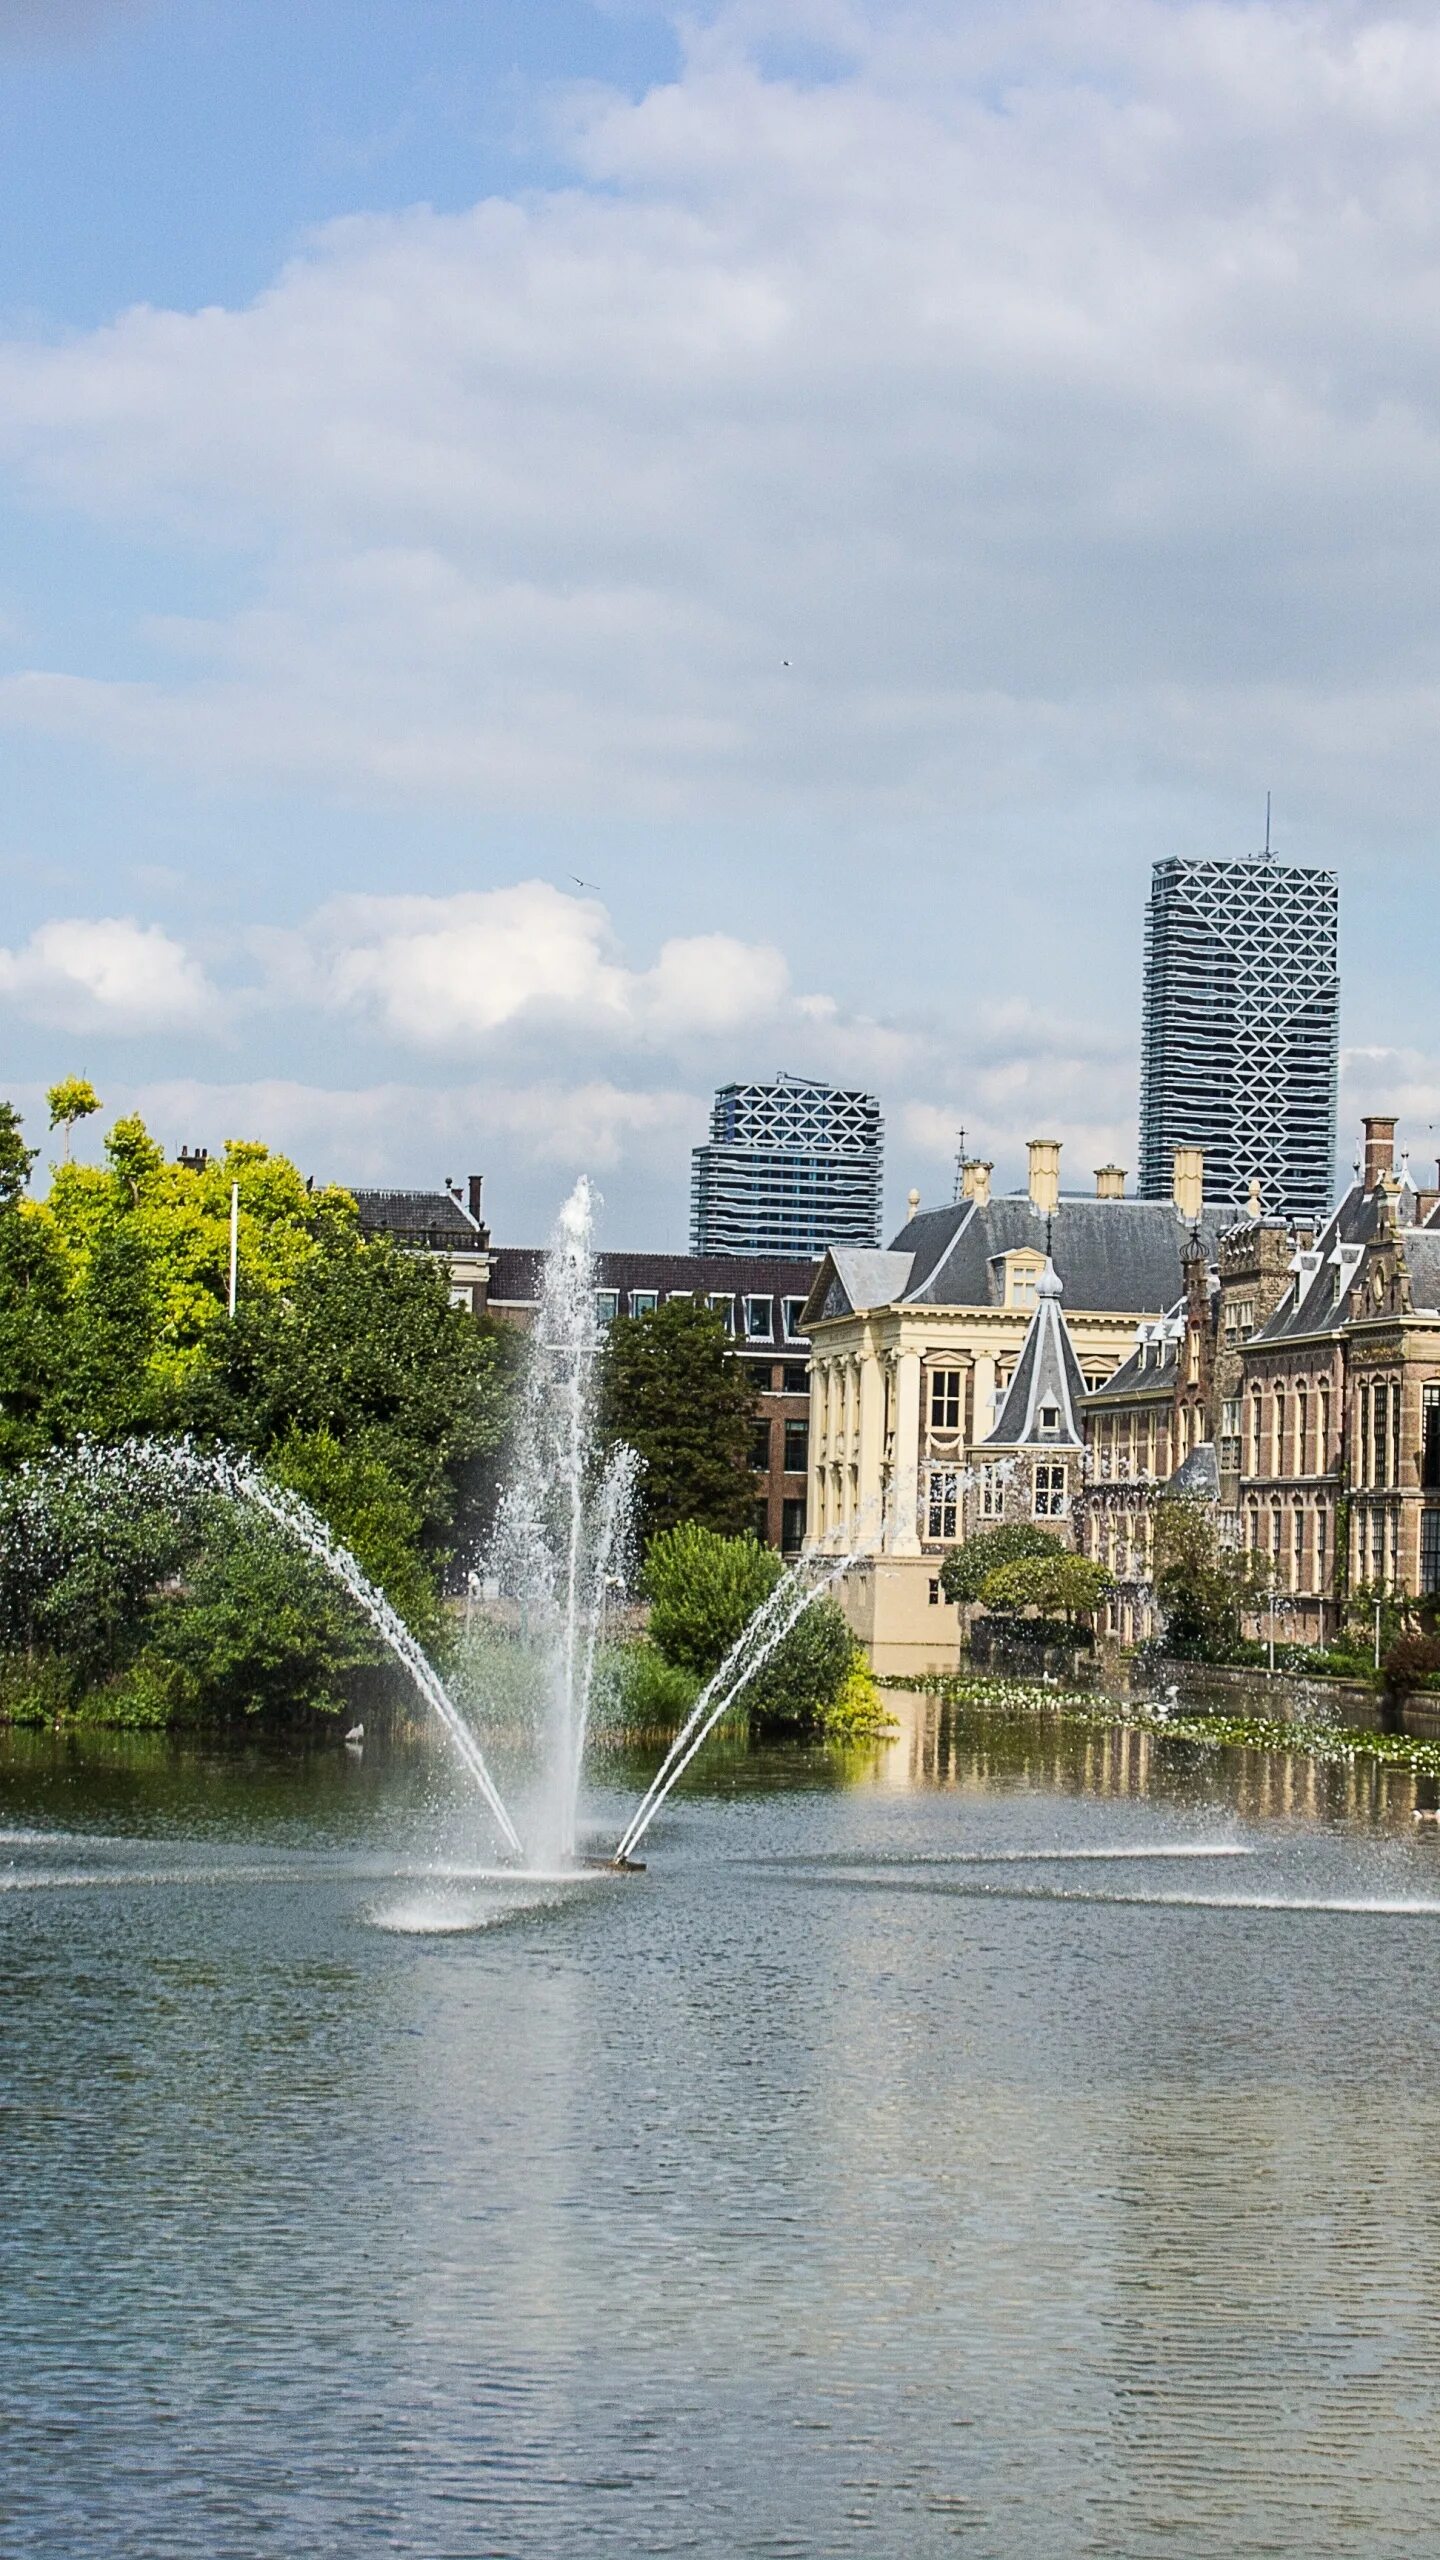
904	1536
871	1451
815	1479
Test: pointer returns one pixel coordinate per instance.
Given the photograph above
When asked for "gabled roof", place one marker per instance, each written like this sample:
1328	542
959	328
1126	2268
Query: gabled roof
1111	1254
435	1219
1422	1261
1152	1367
1311	1303
853	1277
1047	1379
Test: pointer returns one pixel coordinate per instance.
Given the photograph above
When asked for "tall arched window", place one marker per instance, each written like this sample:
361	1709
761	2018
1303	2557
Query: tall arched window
1302	1429
1297	1545
1322	1452
1277	1436
1254	1468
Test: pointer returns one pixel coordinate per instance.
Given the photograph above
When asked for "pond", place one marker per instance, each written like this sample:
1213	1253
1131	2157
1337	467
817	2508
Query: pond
1016	2139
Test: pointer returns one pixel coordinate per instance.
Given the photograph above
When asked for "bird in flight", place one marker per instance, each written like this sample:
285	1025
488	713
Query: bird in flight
585	884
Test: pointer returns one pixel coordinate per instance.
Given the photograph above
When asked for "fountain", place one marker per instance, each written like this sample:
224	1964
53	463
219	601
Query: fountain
562	1550
565	1526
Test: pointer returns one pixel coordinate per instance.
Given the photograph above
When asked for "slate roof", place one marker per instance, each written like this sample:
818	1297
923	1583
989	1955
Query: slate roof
1310	1304
517	1273
1422	1261
1152	1367
1200	1473
434	1219
853	1277
1110	1254
1047	1374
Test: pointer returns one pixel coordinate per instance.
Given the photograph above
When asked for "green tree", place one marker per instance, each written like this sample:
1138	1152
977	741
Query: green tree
71	1100
966	1569
703	1589
16	1158
1054	1586
672	1388
1201	1588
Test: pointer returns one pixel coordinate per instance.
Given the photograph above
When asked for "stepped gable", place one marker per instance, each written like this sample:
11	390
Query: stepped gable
1113	1253
1047	1380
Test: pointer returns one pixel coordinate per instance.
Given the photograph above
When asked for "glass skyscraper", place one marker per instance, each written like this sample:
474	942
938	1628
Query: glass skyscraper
790	1168
1240	1044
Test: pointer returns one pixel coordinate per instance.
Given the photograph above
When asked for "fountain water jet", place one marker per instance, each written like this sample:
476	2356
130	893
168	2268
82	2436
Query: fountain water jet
565	1524
155	1469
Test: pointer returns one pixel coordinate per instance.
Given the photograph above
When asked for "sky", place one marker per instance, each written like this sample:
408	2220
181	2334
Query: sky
553	557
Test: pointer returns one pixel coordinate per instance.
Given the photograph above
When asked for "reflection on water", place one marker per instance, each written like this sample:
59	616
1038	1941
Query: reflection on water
1014	2138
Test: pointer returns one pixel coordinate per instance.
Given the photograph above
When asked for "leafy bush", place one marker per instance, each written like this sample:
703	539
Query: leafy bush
1054	1586
806	1674
967	1568
649	1691
858	1713
702	1589
1412	1661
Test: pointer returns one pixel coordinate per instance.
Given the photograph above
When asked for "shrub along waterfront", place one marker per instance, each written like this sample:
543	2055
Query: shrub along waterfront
999	1696
345	1370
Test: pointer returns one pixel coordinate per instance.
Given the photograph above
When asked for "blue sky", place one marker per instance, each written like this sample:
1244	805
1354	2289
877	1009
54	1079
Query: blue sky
427	431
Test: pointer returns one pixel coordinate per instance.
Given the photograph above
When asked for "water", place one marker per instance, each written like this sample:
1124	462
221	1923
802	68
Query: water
1007	2140
563	1547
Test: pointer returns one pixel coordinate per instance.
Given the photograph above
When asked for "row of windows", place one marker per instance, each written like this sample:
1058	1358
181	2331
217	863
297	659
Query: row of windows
945	1485
1296	1538
755	1321
797	1445
1292	1438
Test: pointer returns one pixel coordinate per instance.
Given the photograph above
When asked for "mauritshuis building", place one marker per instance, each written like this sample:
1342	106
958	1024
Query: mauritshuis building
1241	1028
790	1168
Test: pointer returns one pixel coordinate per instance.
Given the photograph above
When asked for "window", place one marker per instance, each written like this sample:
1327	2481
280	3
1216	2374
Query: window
1430	1439
643	1302
1229	1452
792	1527
673	1294
795	1378
607	1305
1430	1550
792	1316
1322	1453
1050	1421
1049	1492
797	1444
1254	1431
1322	1540
1022	1272
946	1399
1239	1319
934	1590
722	1304
759	1319
1297	1548
1277	1440
992	1493
942	1508
1362	1435
1302	1428
760	1447
1275	1530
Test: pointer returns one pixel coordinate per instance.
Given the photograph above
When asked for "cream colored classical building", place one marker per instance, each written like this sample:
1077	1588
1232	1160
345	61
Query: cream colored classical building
912	1351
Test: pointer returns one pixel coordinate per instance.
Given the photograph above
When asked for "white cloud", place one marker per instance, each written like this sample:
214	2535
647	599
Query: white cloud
455	974
107	974
1041	383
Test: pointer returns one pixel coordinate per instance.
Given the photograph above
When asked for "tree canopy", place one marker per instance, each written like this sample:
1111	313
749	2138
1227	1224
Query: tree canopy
346	1371
966	1569
673	1389
1058	1585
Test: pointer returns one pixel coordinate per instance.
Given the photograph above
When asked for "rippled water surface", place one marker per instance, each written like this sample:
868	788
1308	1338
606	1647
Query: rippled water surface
1016	2141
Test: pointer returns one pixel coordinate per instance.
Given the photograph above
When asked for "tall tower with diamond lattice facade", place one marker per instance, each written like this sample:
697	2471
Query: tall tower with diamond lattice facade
791	1167
1240	1046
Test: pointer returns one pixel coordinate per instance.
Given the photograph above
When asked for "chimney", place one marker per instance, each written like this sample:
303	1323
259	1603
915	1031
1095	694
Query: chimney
474	1184
1044	1156
912	1203
1379	1150
1109	1182
1188	1183
975	1180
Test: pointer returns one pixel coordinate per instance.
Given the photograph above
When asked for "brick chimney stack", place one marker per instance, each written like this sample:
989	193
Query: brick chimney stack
1379	1150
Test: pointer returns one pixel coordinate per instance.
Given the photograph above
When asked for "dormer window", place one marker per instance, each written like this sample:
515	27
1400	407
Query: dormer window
1022	1278
1050	1421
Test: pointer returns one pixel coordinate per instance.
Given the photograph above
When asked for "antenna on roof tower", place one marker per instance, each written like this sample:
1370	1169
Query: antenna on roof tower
1268	850
958	1193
